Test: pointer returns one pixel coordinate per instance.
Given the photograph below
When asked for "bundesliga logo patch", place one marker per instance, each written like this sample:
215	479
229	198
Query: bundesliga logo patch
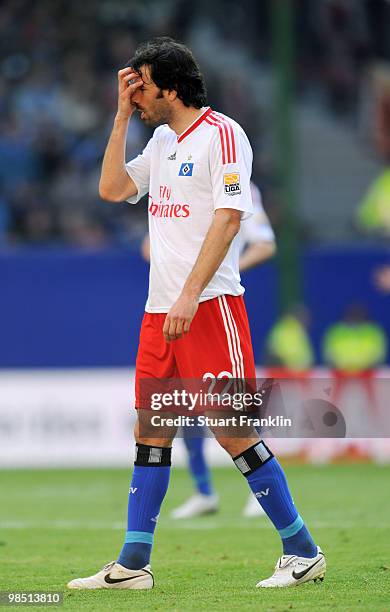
232	183
186	169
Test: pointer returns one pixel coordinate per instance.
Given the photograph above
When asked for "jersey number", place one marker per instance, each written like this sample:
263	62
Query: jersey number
214	379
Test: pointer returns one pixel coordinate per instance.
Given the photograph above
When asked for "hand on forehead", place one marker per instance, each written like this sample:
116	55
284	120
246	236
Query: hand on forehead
143	72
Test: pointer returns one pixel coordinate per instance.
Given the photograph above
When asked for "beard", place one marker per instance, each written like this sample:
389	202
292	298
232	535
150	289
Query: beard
156	116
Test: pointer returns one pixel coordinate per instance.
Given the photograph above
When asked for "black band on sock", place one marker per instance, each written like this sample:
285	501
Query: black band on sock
253	458
150	456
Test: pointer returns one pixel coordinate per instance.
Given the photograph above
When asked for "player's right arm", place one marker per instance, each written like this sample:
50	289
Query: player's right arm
115	183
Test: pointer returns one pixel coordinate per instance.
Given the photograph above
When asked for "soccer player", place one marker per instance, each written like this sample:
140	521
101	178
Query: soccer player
257	245
197	169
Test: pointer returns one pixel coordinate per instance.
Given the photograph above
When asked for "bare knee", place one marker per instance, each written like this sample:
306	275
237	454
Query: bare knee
148	433
233	438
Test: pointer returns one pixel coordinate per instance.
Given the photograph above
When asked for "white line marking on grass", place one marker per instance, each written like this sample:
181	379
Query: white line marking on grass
261	524
60	524
191	525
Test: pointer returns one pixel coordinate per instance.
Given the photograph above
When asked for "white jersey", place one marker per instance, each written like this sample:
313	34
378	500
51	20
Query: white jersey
188	177
257	227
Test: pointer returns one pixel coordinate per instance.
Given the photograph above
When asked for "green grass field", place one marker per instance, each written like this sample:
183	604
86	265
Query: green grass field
59	524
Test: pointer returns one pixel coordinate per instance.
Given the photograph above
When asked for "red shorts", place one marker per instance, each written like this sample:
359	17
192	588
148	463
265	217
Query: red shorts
218	344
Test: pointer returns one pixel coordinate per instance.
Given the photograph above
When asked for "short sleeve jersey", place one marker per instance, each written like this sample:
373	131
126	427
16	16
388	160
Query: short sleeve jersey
188	177
257	228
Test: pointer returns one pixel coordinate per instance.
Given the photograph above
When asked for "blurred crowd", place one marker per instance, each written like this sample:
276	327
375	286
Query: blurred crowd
353	346
58	65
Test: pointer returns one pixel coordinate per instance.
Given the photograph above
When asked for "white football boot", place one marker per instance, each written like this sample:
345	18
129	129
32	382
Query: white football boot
197	505
115	576
253	508
291	570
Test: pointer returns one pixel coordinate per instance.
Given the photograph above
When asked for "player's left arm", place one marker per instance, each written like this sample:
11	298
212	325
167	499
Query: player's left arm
223	229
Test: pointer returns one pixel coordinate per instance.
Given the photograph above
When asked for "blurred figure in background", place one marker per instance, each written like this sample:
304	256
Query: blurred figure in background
289	355
353	348
289	351
257	246
256	234
373	215
343	44
374	211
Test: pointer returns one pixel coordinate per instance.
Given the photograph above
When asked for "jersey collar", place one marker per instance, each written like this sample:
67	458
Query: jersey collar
194	125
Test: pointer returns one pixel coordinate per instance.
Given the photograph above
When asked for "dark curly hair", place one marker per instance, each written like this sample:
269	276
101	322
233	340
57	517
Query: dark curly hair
172	66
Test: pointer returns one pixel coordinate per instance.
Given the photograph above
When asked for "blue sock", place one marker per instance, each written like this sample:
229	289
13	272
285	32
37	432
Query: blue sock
269	484
197	462
147	491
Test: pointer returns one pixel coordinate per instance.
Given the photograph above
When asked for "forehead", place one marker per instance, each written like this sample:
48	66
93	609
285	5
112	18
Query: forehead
145	75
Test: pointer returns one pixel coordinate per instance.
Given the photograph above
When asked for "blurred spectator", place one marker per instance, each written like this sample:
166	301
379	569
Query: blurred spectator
19	161
344	42
374	212
373	215
288	344
354	344
353	348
